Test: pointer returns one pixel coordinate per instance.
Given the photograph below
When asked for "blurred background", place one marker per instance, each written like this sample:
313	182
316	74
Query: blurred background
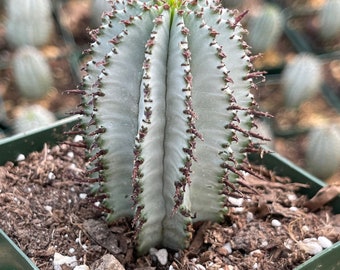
298	43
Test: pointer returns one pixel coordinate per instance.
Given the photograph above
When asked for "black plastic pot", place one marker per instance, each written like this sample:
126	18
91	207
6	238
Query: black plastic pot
28	142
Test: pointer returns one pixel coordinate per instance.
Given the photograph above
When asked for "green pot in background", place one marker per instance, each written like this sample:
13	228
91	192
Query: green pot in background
28	142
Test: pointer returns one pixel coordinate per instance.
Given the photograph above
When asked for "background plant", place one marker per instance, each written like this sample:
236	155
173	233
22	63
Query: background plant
310	94
29	22
322	154
32	73
329	19
294	83
31	117
265	28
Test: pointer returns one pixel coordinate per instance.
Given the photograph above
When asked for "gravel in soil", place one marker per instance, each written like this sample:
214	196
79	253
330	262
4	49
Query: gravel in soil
46	208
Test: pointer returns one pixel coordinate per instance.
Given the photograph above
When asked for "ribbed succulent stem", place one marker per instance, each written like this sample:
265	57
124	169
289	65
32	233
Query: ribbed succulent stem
168	115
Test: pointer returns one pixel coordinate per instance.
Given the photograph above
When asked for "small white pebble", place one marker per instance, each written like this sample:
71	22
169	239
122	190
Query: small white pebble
48	208
288	243
227	247
162	256
20	157
171	268
77	240
72	166
82	196
324	242
255	266
72	189
238	210
199	267
292	197
66	235
276	223
97	204
69	201
71	250
51	176
236	201
293	209
264	244
249	216
243	172
84	246
70	154
59	260
305	228
310	246
194	260
81	267
255	252
78	138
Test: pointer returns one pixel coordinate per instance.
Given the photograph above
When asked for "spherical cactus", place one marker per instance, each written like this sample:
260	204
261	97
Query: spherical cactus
31	72
29	22
32	117
301	79
322	153
330	19
168	115
265	28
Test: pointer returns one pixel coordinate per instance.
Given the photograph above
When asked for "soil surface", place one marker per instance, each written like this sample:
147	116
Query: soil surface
47	208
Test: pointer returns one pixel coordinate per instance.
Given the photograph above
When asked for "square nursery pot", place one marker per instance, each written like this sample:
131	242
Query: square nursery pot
12	257
34	140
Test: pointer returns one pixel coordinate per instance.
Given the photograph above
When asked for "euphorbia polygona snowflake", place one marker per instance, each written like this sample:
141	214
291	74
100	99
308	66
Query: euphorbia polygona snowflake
167	114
